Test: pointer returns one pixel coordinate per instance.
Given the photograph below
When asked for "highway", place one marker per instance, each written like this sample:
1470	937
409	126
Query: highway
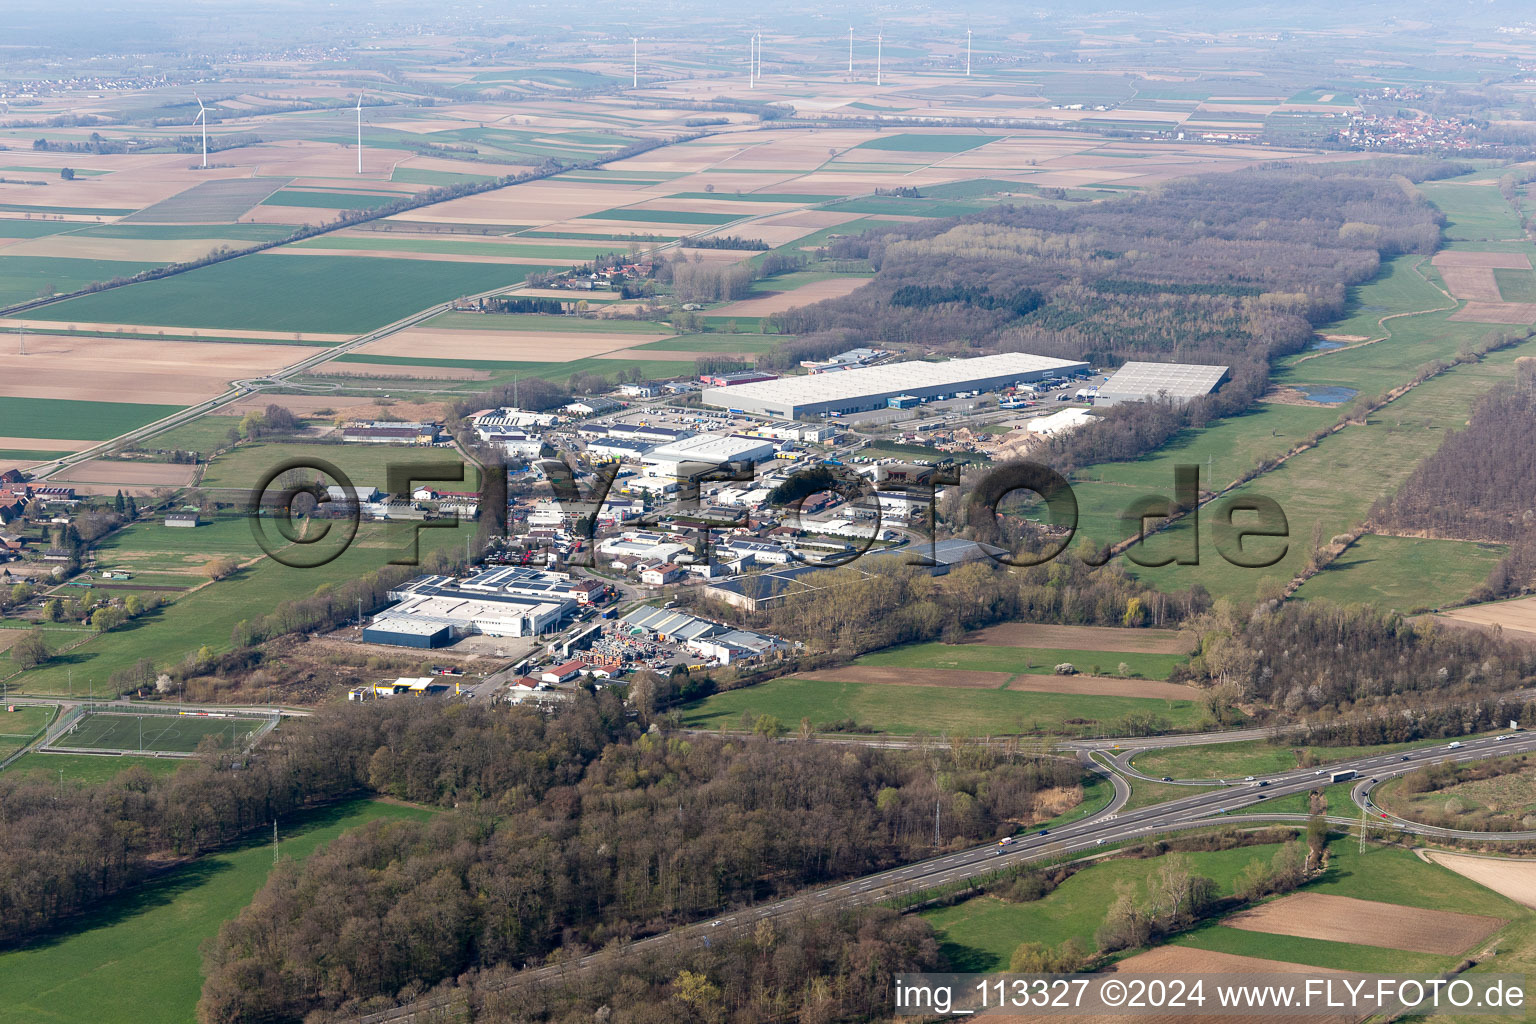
1239	803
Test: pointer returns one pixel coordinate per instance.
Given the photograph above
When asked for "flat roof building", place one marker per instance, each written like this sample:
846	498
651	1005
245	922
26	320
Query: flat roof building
1143	382
872	387
704	450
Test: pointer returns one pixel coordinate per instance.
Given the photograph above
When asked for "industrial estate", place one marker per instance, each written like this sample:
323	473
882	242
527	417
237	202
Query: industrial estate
665	515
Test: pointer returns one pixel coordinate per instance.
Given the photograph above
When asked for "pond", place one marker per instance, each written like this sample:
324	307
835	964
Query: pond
1327	394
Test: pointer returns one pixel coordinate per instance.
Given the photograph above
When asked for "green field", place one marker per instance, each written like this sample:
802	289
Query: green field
331	200
28	455
31	277
237	232
1411	574
909	710
155	733
86	769
1473	213
458	320
414	176
1028	660
208	615
1250	757
1516	285
136	959
244	466
323	294
506	372
75	421
664	216
905	207
21	726
744	343
981	933
914	143
383	240
10	228
1344	956
756	197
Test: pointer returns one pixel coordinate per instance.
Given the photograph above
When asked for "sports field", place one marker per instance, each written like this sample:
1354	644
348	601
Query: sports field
161	733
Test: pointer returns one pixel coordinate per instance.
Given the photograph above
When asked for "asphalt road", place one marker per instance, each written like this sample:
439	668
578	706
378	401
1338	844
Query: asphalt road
1206	806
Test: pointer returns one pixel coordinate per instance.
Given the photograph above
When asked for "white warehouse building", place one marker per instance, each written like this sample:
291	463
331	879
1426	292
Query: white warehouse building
694	454
859	390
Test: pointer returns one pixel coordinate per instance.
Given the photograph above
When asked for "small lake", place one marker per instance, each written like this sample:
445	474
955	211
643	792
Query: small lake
1328	395
1323	345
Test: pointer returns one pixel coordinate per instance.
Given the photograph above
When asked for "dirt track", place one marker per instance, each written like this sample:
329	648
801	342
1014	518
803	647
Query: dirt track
1311	915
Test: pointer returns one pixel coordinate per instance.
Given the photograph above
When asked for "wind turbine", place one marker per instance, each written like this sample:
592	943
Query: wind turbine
967	53
359	133
752	62
850	51
635	69
879	55
202	115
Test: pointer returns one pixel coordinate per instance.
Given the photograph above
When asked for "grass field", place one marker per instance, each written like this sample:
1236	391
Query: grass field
1513	794
136	959
457	247
323	294
665	216
744	343
1389	572
1345	956
914	143
156	733
458	320
1031	660
86	769
908	710
1473	212
243	467
981	933
209	614
1516	285
330	200
19	727
1252	757
75	421
30	277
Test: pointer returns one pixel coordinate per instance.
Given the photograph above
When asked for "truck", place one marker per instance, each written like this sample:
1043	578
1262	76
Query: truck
1341	776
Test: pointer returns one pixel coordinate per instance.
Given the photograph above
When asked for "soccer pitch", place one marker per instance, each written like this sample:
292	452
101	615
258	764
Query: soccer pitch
160	733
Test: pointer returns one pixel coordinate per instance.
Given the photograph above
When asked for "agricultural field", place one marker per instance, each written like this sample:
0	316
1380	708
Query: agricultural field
243	467
911	710
981	933
74	420
32	277
136	959
323	293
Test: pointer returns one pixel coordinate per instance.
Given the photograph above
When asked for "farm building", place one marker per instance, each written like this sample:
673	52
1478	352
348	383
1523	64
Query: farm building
182	519
391	432
872	387
1178	382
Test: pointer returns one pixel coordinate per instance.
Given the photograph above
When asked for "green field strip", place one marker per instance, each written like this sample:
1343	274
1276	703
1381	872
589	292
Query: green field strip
75	420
